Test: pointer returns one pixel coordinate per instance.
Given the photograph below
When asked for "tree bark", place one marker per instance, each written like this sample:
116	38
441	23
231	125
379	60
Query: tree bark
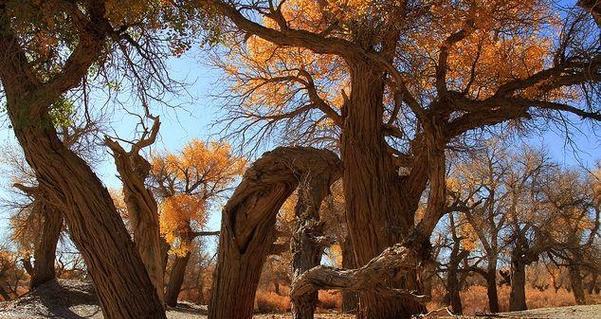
44	254
380	205
248	222
141	206
576	283
350	301
176	279
453	283
517	296
491	287
308	241
374	276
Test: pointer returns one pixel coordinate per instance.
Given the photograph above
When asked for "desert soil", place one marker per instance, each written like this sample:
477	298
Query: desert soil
76	300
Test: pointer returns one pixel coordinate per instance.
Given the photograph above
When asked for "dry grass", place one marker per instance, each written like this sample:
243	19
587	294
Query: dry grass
474	299
270	302
330	300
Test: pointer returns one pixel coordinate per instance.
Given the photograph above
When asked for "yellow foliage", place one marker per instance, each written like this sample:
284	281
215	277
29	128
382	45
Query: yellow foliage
188	183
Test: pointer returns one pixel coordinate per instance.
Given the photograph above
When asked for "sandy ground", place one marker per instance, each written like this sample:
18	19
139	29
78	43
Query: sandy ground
76	300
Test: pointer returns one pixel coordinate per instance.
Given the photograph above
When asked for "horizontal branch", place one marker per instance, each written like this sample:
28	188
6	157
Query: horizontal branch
375	276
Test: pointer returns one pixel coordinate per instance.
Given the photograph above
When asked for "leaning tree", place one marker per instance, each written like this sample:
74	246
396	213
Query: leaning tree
56	48
400	83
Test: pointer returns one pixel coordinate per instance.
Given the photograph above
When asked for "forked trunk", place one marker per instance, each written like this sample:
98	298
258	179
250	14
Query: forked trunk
176	279
248	223
350	301
120	279
308	241
576	283
517	296
44	254
380	208
142	209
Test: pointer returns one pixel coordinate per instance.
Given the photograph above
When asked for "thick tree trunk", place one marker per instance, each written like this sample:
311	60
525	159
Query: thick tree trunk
380	208
307	241
44	254
176	279
453	284
350	301
141	207
491	287
248	222
120	278
517	296
576	283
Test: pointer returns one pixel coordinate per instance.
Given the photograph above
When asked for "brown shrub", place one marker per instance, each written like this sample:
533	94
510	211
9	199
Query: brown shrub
329	299
474	299
270	302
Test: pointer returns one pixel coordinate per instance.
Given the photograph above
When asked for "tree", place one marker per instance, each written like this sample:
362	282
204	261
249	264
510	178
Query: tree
415	77
142	209
308	239
188	184
248	223
47	53
570	201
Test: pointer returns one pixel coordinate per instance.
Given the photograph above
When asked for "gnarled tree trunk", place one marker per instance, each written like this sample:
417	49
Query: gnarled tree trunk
374	276
380	205
141	206
120	279
307	241
44	254
248	222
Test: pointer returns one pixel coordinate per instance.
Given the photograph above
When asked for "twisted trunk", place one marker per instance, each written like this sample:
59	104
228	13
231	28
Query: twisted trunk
44	254
142	210
380	206
122	284
248	222
308	242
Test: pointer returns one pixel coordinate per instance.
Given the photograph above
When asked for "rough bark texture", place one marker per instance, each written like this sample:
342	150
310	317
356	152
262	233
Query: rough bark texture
576	283
350	301
377	276
44	254
308	241
141	206
248	222
491	287
517	296
176	279
380	207
120	279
